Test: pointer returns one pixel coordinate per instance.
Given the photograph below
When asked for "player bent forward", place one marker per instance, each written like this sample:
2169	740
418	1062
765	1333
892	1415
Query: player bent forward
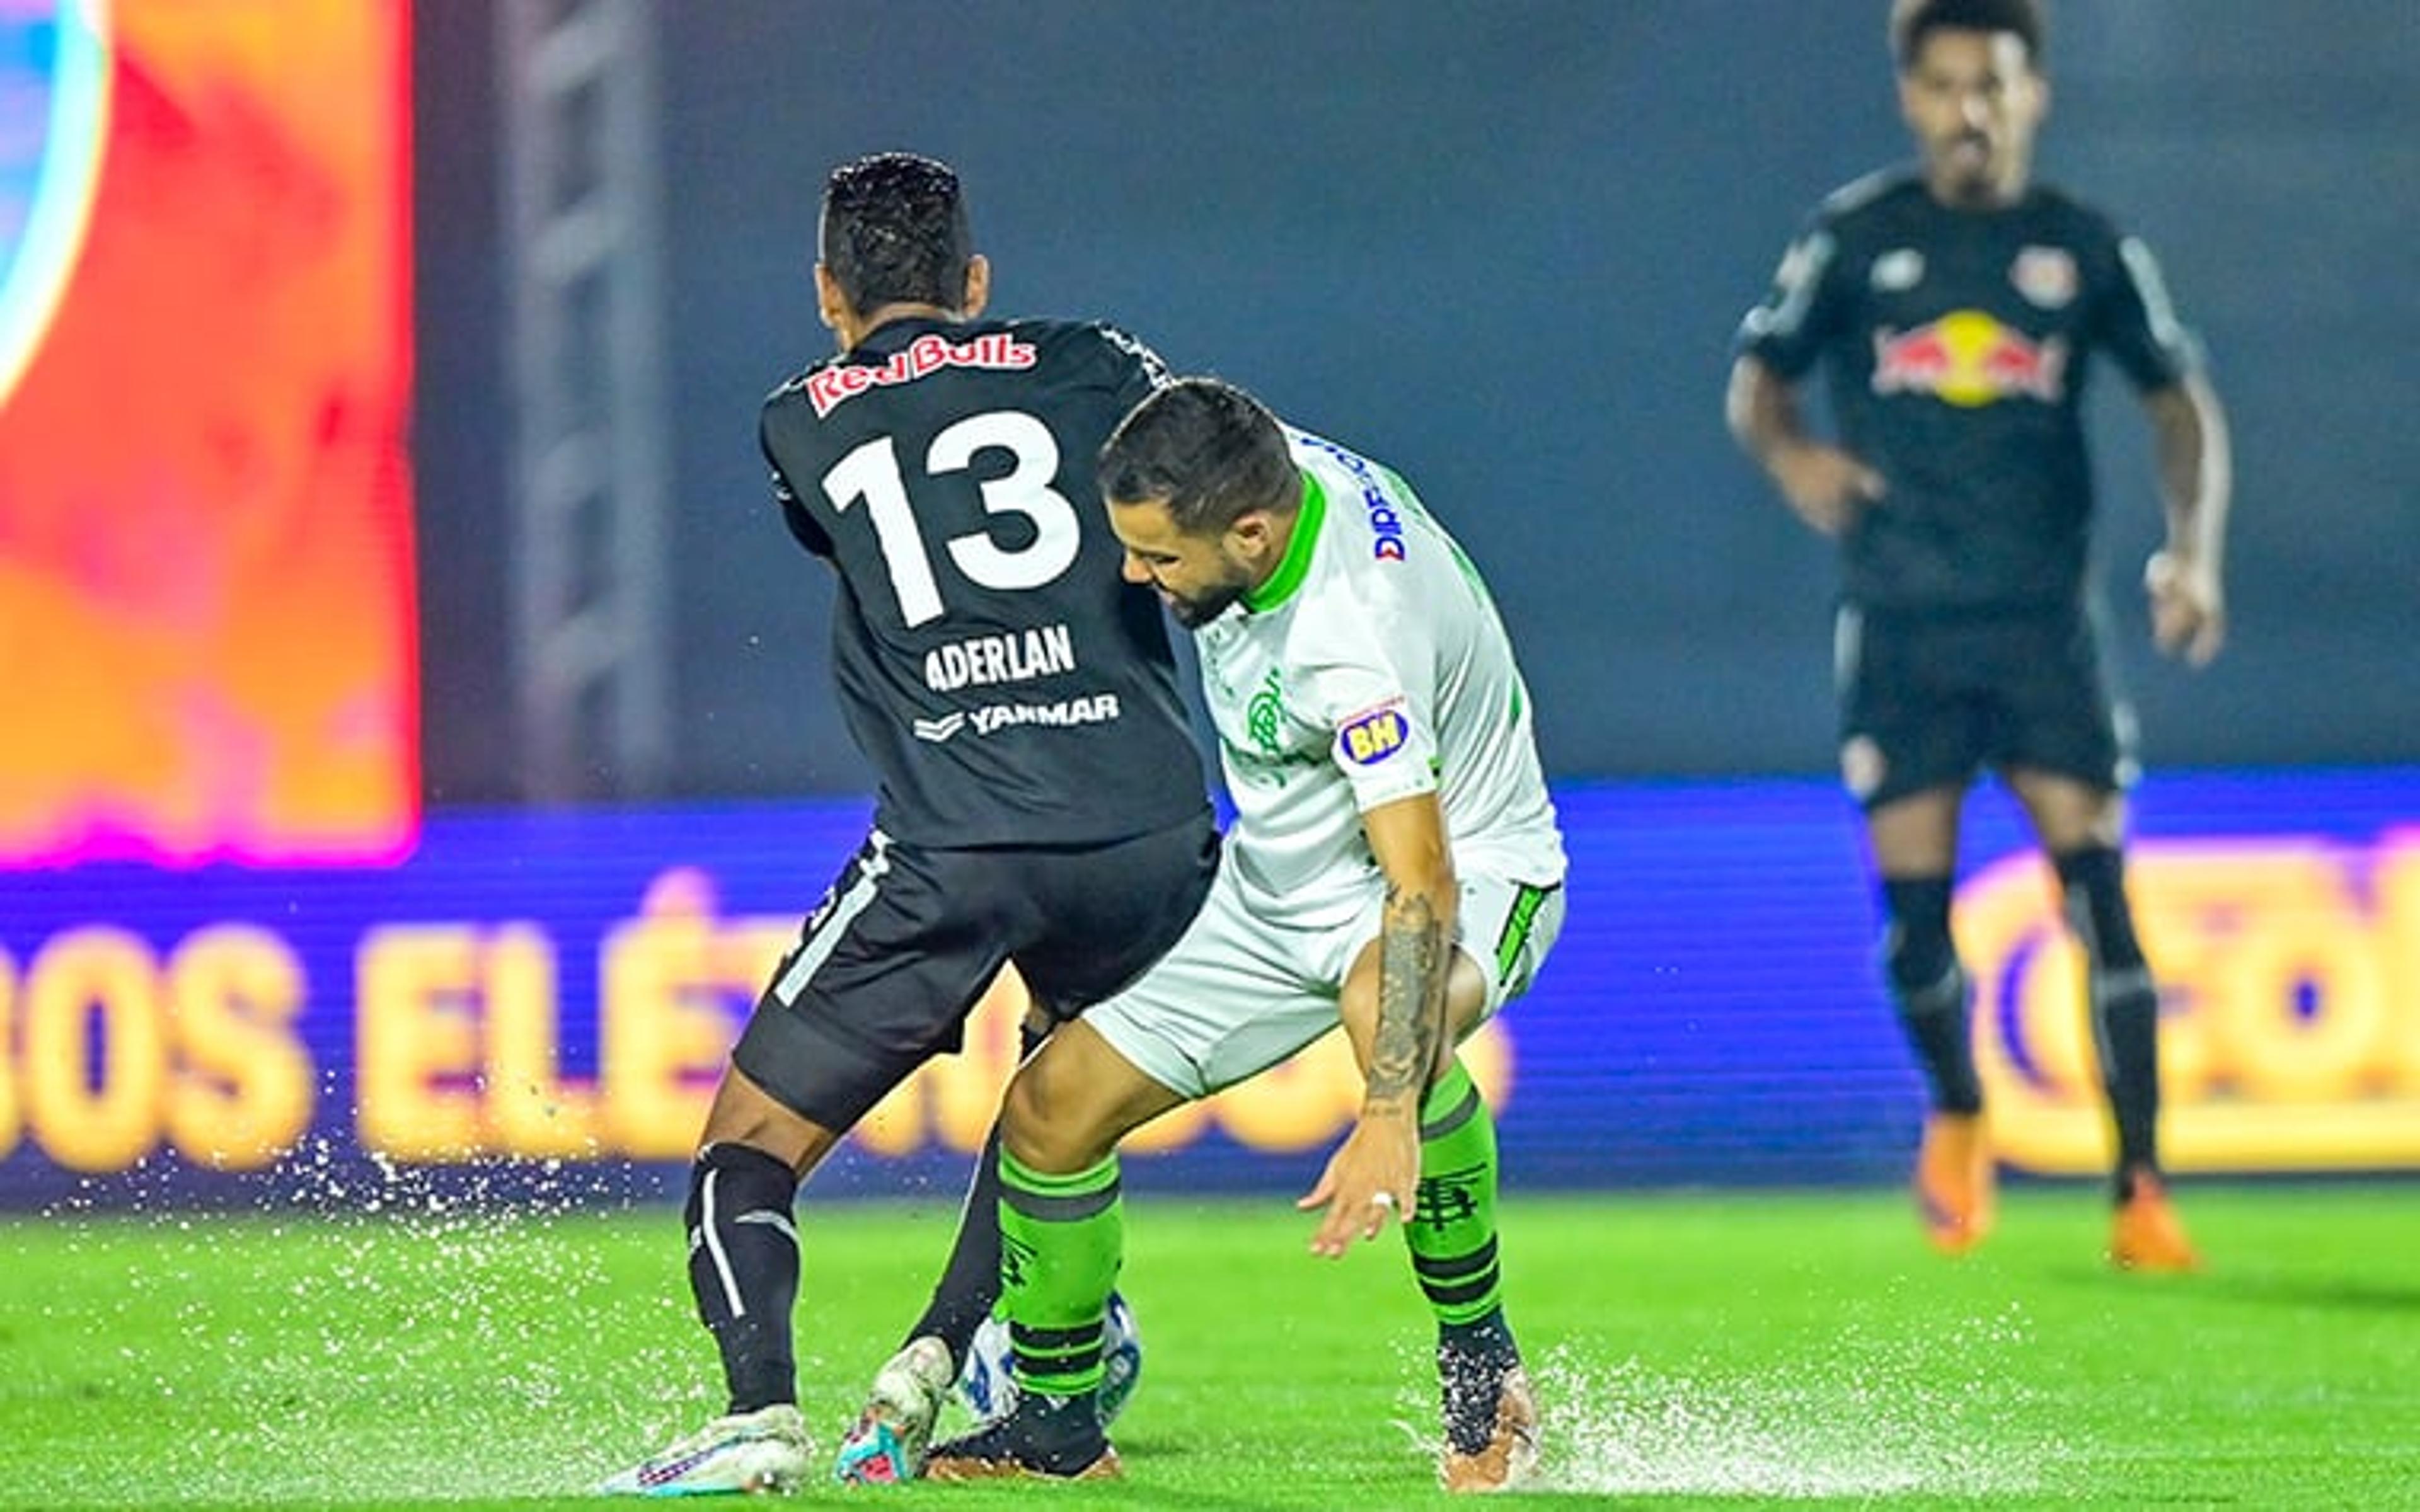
1394	860
1072	853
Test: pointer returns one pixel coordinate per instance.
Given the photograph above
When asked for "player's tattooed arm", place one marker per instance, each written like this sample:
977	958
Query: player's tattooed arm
1411	1001
1371	1180
1415	950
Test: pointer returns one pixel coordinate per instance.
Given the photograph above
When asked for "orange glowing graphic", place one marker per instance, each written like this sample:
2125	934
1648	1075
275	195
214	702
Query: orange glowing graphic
207	635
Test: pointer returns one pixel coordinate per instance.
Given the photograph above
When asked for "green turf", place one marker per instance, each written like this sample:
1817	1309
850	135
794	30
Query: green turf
1695	1350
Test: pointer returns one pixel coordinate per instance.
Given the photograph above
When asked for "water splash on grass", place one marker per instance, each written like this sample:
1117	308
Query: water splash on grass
1871	1416
372	1331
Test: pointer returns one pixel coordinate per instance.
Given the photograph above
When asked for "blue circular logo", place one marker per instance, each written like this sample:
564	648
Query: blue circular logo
53	115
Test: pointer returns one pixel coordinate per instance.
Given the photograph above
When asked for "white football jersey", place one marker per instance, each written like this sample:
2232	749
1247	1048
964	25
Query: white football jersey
1372	667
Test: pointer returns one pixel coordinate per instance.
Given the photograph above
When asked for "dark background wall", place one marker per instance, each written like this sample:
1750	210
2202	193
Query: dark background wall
1503	247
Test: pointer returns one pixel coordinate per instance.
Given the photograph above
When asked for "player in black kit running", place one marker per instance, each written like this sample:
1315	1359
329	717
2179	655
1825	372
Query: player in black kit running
1954	308
1042	803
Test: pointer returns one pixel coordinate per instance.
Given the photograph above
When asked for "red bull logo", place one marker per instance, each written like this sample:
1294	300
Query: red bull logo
1969	359
828	387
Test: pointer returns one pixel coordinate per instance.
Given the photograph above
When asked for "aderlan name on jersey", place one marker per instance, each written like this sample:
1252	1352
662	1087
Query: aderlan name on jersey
828	385
1097	709
1042	651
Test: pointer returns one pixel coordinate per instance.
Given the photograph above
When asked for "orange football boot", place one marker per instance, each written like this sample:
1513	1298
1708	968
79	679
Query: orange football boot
1953	1183
1510	1457
2147	1234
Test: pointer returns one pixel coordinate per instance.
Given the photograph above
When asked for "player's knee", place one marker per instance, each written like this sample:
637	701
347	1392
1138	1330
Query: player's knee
1025	1120
744	1114
1466	1001
1918	955
1049	1123
2093	879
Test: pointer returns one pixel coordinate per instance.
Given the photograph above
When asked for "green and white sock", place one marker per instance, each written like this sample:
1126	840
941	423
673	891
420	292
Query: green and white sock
1062	1239
1452	1231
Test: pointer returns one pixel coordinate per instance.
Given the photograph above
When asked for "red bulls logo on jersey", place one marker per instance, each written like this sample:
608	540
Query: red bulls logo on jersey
1968	359
828	387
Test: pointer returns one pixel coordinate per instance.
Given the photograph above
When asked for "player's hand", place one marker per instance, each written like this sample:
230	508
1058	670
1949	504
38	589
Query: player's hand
1368	1185
1825	487
2188	608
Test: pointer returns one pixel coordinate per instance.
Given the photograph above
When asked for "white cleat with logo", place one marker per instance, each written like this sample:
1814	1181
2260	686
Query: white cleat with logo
765	1451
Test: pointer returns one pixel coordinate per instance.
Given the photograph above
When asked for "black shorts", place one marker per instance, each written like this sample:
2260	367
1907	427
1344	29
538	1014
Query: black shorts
891	962
1928	701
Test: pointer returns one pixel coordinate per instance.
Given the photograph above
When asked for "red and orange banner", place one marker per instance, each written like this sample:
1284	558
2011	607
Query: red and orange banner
207	619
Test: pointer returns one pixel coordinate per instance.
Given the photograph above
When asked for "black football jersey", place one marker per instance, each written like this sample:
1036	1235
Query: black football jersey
1957	344
1008	686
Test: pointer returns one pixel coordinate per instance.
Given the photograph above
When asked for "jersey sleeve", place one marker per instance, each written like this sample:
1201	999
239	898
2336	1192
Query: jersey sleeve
1138	369
1788	330
1369	686
803	526
2134	323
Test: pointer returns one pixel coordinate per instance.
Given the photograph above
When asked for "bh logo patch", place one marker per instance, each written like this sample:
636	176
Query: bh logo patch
1371	738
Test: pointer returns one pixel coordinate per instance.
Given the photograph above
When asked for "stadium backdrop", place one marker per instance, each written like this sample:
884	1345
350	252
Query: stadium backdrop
235	964
526	991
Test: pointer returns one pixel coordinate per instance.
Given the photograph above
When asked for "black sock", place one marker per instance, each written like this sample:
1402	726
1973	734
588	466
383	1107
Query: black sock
969	1288
2127	1014
743	1269
1488	1338
1929	988
1936	1021
1472	1359
970	1284
2125	1004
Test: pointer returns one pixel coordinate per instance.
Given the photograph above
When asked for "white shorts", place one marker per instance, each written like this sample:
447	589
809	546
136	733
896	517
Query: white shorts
1240	993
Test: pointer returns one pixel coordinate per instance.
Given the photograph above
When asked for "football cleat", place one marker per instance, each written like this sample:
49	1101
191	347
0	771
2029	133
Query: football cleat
2146	1235
765	1451
891	1434
1953	1183
1043	1437
1508	1457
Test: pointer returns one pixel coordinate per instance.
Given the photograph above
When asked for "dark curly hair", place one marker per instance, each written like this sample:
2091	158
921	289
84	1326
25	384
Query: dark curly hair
1913	20
895	232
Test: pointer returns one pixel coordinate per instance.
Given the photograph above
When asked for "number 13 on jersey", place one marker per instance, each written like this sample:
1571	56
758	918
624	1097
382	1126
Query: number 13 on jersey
870	473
